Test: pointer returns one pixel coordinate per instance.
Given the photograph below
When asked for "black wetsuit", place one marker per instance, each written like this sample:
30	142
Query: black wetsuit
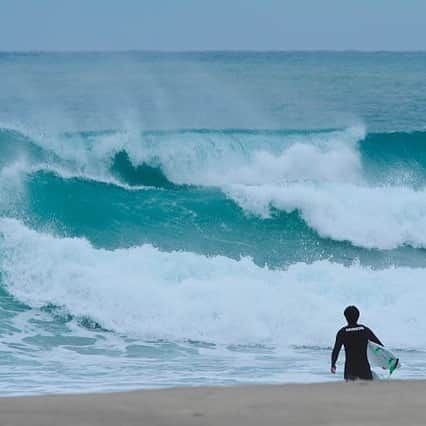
354	338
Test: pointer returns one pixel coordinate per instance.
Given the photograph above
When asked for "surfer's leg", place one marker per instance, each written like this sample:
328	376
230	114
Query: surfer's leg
358	373
365	373
350	376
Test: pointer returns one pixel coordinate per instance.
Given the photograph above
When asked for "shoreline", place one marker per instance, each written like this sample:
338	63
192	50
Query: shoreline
334	403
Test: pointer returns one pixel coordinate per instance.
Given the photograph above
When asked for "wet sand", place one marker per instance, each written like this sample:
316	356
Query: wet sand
380	403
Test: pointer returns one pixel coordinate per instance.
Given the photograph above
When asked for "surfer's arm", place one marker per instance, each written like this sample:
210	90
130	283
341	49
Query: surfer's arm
372	337
336	350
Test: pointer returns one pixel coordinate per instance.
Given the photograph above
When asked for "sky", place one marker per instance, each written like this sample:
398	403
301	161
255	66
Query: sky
176	25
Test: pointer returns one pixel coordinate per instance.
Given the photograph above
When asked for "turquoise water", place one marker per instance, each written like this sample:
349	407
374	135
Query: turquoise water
204	218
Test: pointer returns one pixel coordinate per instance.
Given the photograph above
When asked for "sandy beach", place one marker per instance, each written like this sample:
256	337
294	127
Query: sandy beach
385	403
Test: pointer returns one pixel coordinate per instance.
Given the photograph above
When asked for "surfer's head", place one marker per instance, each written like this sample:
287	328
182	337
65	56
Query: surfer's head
351	314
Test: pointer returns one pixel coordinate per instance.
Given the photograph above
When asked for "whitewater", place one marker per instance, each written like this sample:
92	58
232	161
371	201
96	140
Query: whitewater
186	219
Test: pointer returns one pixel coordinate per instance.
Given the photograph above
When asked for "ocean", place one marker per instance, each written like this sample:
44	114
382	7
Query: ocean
172	219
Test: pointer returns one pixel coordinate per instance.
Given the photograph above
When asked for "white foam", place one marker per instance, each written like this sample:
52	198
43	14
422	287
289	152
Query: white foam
218	159
215	158
147	293
65	173
371	217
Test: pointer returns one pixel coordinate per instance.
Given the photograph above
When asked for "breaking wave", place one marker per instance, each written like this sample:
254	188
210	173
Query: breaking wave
145	293
347	186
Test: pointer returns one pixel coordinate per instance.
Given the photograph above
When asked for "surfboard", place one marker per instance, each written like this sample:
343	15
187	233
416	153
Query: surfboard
379	356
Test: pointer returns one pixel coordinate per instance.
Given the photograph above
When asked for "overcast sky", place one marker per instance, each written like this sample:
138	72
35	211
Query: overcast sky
213	24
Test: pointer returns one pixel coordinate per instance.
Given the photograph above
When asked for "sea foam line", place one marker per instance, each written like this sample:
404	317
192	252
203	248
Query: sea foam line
147	293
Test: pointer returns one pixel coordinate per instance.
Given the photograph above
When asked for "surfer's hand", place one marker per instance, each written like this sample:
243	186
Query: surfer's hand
333	370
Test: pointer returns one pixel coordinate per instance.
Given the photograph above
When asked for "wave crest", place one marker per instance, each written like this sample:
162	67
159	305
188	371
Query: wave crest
347	186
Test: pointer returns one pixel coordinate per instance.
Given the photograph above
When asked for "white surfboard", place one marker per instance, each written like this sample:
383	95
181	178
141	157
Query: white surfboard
379	356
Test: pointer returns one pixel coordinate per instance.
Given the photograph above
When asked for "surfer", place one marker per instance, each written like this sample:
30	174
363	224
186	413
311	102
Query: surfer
354	337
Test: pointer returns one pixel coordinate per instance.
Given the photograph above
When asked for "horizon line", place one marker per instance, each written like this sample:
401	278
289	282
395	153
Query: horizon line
186	51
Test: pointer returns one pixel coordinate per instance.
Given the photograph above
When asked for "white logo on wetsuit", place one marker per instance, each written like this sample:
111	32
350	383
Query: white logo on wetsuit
355	329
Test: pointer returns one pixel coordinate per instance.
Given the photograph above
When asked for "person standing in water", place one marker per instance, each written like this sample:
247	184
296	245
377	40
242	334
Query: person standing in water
354	337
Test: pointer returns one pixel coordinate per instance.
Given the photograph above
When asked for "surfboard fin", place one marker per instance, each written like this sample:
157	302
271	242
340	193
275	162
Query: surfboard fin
393	365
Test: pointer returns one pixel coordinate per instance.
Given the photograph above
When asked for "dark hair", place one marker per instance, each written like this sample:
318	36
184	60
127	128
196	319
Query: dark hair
351	314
